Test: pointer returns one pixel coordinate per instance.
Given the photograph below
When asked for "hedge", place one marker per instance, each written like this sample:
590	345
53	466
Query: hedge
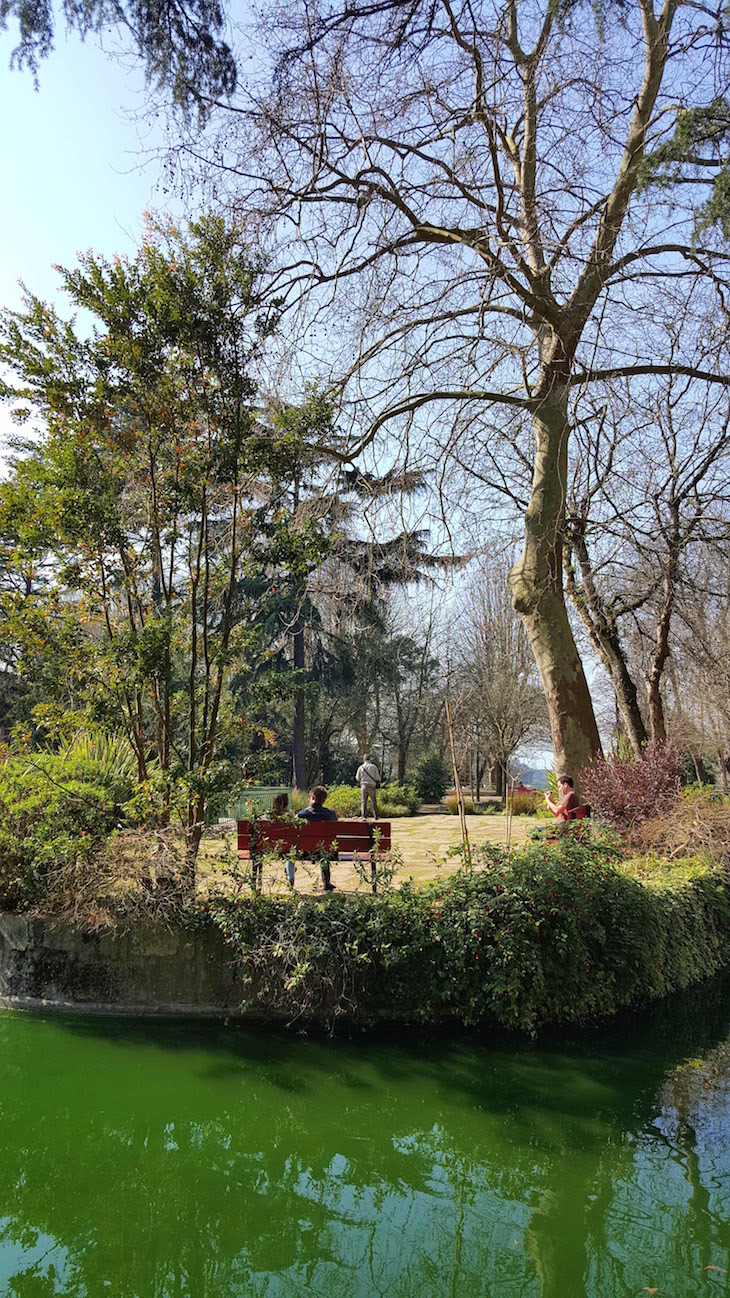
394	800
551	934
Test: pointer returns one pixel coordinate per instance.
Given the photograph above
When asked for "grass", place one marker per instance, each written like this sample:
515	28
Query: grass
662	871
422	842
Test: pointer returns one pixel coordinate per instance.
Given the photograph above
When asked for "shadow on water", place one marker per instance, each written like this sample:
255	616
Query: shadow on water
149	1159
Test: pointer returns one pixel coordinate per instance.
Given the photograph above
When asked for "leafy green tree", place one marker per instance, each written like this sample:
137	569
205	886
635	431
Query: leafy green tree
697	154
430	778
331	660
152	495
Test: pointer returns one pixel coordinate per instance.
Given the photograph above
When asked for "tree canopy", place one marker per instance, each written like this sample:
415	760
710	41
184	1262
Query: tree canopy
179	42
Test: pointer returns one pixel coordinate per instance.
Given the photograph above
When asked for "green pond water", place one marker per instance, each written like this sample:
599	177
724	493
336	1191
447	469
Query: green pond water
149	1160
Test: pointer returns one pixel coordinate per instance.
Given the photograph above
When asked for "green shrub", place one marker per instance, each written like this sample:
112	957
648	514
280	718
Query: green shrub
393	800
549	934
430	779
345	800
470	808
54	810
398	800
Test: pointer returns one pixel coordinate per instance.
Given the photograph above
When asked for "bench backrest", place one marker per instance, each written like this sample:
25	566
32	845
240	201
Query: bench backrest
315	835
578	813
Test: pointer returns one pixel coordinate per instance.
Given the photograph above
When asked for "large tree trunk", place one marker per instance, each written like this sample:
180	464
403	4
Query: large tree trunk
537	592
603	634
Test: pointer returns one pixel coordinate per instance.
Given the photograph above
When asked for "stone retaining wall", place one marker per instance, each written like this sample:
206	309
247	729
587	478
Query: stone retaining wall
136	971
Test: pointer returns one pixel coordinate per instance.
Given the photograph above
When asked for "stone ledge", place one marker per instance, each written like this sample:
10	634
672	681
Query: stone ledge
138	970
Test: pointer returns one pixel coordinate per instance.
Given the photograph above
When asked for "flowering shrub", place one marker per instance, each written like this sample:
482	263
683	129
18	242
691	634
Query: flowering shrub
552	933
624	791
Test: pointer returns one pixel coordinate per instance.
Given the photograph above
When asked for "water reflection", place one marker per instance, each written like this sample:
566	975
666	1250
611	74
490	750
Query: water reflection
152	1161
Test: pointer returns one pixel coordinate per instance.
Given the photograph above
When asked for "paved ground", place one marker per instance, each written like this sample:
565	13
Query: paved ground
422	841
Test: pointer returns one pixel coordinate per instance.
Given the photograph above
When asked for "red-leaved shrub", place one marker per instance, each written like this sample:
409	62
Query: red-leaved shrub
625	791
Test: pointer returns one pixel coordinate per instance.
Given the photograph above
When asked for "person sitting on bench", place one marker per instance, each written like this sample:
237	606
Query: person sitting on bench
568	800
280	809
317	811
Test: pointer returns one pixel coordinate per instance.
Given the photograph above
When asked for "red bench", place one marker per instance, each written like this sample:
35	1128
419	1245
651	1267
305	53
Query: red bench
578	813
345	840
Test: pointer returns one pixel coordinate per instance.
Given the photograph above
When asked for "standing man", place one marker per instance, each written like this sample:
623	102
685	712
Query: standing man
368	777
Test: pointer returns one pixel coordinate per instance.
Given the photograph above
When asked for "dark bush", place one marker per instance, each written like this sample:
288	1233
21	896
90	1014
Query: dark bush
430	779
625	791
550	934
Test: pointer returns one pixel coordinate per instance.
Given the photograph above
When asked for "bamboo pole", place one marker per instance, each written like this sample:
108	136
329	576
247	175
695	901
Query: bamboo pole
509	805
457	786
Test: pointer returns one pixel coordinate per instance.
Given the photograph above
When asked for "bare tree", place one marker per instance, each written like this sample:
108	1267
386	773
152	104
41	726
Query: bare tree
501	705
411	683
462	182
701	681
652	485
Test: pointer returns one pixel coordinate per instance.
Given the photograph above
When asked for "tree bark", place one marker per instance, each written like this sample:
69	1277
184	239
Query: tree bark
655	705
298	753
498	780
700	768
603	634
537	593
193	835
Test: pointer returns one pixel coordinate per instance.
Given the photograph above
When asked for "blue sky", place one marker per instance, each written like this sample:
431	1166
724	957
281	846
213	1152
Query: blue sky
73	176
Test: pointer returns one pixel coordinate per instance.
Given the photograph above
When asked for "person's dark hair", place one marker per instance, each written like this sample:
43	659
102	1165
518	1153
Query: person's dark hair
280	804
318	795
566	779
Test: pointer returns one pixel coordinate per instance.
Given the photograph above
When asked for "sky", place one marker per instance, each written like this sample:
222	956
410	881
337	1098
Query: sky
76	167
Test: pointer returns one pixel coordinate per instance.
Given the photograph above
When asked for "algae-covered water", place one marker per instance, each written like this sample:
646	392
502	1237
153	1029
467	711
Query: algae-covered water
144	1160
